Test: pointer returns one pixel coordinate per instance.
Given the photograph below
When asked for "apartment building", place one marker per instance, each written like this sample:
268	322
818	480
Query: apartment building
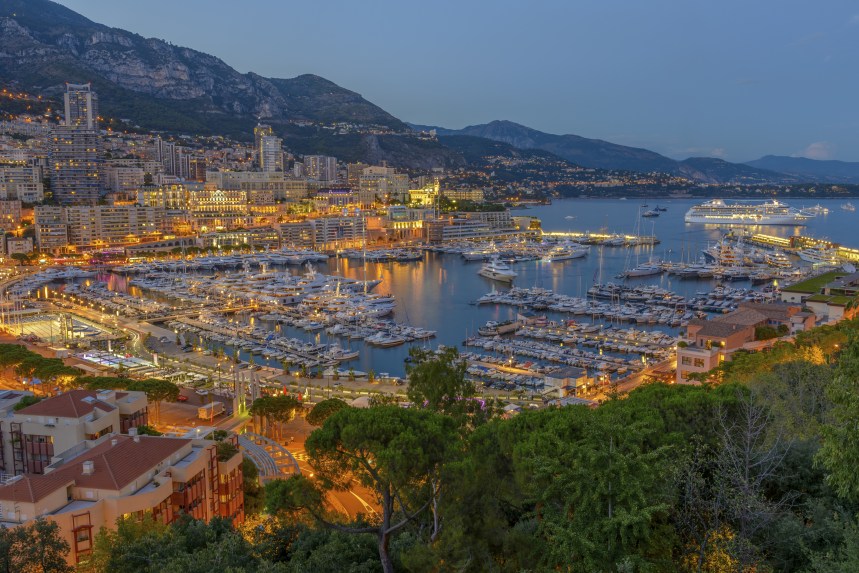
10	214
710	342
382	184
55	428
52	230
23	183
104	225
143	477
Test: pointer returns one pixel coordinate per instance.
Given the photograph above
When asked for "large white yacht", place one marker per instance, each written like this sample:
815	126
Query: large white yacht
565	252
719	212
498	271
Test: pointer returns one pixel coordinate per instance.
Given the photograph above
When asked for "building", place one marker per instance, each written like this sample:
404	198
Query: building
271	153
19	245
52	230
10	215
175	159
40	434
23	183
382	185
122	179
265	237
110	225
282	187
81	106
142	477
261	130
473	195
171	196
75	165
320	167
833	295
569	381
710	342
214	209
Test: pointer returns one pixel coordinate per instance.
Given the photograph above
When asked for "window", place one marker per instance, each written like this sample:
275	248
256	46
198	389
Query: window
686	361
699	363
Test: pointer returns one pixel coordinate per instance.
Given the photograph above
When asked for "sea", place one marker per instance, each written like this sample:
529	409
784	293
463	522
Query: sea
438	293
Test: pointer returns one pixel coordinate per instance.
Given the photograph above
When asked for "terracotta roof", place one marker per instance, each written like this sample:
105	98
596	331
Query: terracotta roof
742	317
32	488
114	467
72	404
721	329
772	311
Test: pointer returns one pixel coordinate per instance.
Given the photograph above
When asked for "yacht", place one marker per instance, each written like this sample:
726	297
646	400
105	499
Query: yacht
565	252
498	271
717	211
848	206
644	270
820	256
650	213
816	210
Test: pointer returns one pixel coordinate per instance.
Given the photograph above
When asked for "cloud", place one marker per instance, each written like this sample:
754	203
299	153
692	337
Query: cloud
854	20
718	152
817	150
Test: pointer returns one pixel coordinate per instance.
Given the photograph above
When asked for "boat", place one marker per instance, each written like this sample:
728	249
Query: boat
816	210
820	256
565	252
498	271
660	209
644	270
494	328
848	206
650	213
720	212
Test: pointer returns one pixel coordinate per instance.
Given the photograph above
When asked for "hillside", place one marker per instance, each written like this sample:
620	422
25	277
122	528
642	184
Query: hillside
159	86
827	171
713	170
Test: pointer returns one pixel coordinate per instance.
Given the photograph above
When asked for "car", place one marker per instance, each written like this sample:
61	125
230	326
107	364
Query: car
337	384
182	398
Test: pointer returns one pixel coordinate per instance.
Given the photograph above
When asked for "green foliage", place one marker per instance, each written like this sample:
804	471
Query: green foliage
765	333
840	449
226	451
254	493
324	409
144	430
26	401
34	548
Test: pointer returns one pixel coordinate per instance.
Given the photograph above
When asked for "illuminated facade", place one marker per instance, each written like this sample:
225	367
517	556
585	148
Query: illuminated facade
75	165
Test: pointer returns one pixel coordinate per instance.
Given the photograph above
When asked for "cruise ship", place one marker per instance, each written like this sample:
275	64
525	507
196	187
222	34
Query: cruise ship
718	212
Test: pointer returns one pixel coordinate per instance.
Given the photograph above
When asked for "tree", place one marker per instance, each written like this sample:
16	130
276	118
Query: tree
22	258
157	391
325	409
144	430
275	410
437	382
839	452
34	548
390	450
26	401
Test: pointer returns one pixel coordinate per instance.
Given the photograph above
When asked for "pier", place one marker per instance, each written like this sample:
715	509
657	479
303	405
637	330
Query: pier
589	237
795	243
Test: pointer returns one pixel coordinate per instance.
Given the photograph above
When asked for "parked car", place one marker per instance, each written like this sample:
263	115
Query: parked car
182	398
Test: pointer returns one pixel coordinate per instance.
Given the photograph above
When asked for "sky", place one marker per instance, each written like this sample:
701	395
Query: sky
719	78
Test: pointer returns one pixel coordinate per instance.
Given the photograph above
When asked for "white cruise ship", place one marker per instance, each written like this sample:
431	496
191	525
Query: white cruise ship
718	212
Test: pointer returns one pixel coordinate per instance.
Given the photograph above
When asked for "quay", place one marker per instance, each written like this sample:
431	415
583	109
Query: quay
796	243
591	238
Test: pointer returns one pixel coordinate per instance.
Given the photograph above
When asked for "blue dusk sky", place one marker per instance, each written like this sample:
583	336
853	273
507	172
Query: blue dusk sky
731	79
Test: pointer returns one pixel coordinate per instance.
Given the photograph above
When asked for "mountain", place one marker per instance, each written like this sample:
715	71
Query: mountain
159	86
812	170
596	153
579	150
714	171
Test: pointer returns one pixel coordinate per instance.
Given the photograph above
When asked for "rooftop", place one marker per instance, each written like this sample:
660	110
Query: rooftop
815	284
114	467
569	372
72	404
